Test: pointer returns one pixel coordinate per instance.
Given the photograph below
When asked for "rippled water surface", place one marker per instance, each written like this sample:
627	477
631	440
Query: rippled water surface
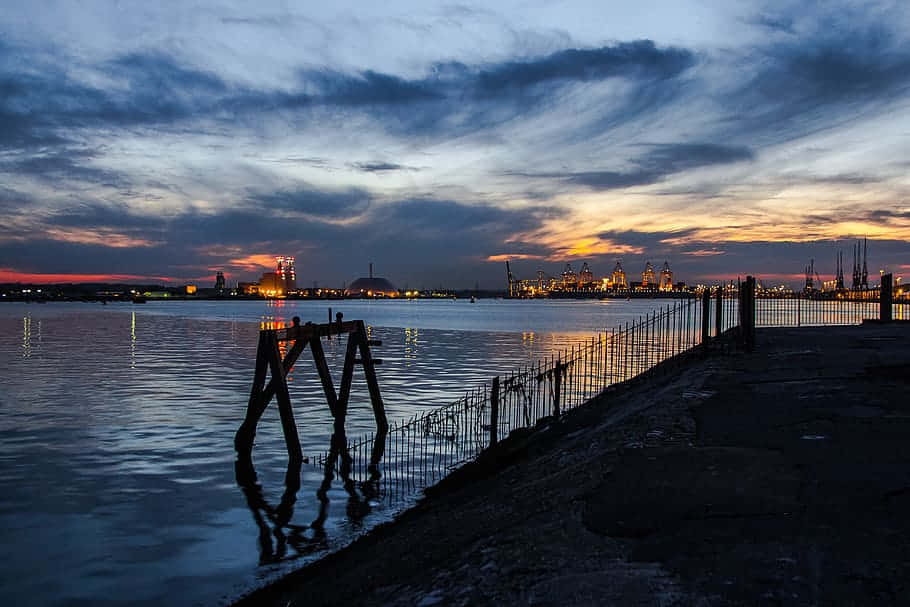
116	429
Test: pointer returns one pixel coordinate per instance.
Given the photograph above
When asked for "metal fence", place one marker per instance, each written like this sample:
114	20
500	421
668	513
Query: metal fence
421	450
802	311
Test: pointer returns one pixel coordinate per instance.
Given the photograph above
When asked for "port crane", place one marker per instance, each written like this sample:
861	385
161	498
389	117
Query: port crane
812	277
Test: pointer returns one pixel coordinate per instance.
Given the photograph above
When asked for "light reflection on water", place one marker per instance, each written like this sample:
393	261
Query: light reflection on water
116	439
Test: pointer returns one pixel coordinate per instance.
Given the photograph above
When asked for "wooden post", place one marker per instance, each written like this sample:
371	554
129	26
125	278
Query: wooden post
347	378
259	398
284	399
243	440
372	383
322	367
268	358
887	299
269	391
494	411
377	452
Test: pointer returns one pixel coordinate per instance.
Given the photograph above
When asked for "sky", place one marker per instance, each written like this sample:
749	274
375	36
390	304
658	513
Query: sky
170	140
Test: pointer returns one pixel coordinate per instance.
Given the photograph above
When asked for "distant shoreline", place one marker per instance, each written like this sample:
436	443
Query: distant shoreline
459	295
867	297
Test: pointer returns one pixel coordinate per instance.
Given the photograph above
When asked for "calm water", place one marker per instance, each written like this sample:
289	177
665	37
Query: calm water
117	422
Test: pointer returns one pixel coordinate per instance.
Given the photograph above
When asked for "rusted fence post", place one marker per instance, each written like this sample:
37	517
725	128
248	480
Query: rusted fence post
719	312
887	299
747	305
494	411
557	383
705	316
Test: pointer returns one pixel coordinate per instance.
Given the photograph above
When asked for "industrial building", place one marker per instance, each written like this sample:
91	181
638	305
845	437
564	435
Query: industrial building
648	280
583	284
666	278
280	283
371	286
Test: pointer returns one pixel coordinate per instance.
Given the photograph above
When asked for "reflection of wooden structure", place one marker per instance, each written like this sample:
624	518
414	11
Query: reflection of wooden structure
276	531
268	359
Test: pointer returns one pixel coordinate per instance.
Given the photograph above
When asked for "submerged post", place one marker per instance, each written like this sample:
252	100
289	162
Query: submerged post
279	376
268	360
887	299
366	359
494	411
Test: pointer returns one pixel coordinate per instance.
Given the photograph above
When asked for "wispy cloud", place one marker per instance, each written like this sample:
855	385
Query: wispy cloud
661	161
549	143
382	167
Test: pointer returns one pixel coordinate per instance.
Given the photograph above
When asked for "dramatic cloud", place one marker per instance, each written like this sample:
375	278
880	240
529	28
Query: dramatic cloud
64	166
640	60
440	142
381	167
661	161
346	204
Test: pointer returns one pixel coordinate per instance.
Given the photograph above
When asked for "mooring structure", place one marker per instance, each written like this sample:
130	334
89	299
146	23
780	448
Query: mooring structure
270	362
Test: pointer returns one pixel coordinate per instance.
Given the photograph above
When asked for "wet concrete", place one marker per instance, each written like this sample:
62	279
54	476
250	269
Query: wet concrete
776	477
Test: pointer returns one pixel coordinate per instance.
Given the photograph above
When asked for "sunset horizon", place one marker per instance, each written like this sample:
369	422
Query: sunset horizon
180	140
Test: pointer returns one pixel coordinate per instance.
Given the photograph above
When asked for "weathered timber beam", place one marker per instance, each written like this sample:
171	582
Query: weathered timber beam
243	439
284	402
269	390
372	383
322	368
347	377
309	330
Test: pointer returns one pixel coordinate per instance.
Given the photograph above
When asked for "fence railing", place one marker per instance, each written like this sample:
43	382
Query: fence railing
809	312
421	450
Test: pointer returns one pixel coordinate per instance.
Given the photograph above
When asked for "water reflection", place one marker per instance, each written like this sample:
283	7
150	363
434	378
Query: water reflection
410	346
527	342
26	336
170	443
277	532
275	521
133	341
271	321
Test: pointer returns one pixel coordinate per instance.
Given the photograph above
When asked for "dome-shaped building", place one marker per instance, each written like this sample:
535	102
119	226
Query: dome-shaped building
371	287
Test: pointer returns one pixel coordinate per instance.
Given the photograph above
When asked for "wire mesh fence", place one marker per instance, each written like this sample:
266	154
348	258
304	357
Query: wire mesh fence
421	450
803	311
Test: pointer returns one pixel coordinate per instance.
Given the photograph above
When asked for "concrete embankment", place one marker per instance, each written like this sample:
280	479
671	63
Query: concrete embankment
780	476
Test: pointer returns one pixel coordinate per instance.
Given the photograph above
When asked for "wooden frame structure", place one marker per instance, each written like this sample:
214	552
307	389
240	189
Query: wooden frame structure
268	360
